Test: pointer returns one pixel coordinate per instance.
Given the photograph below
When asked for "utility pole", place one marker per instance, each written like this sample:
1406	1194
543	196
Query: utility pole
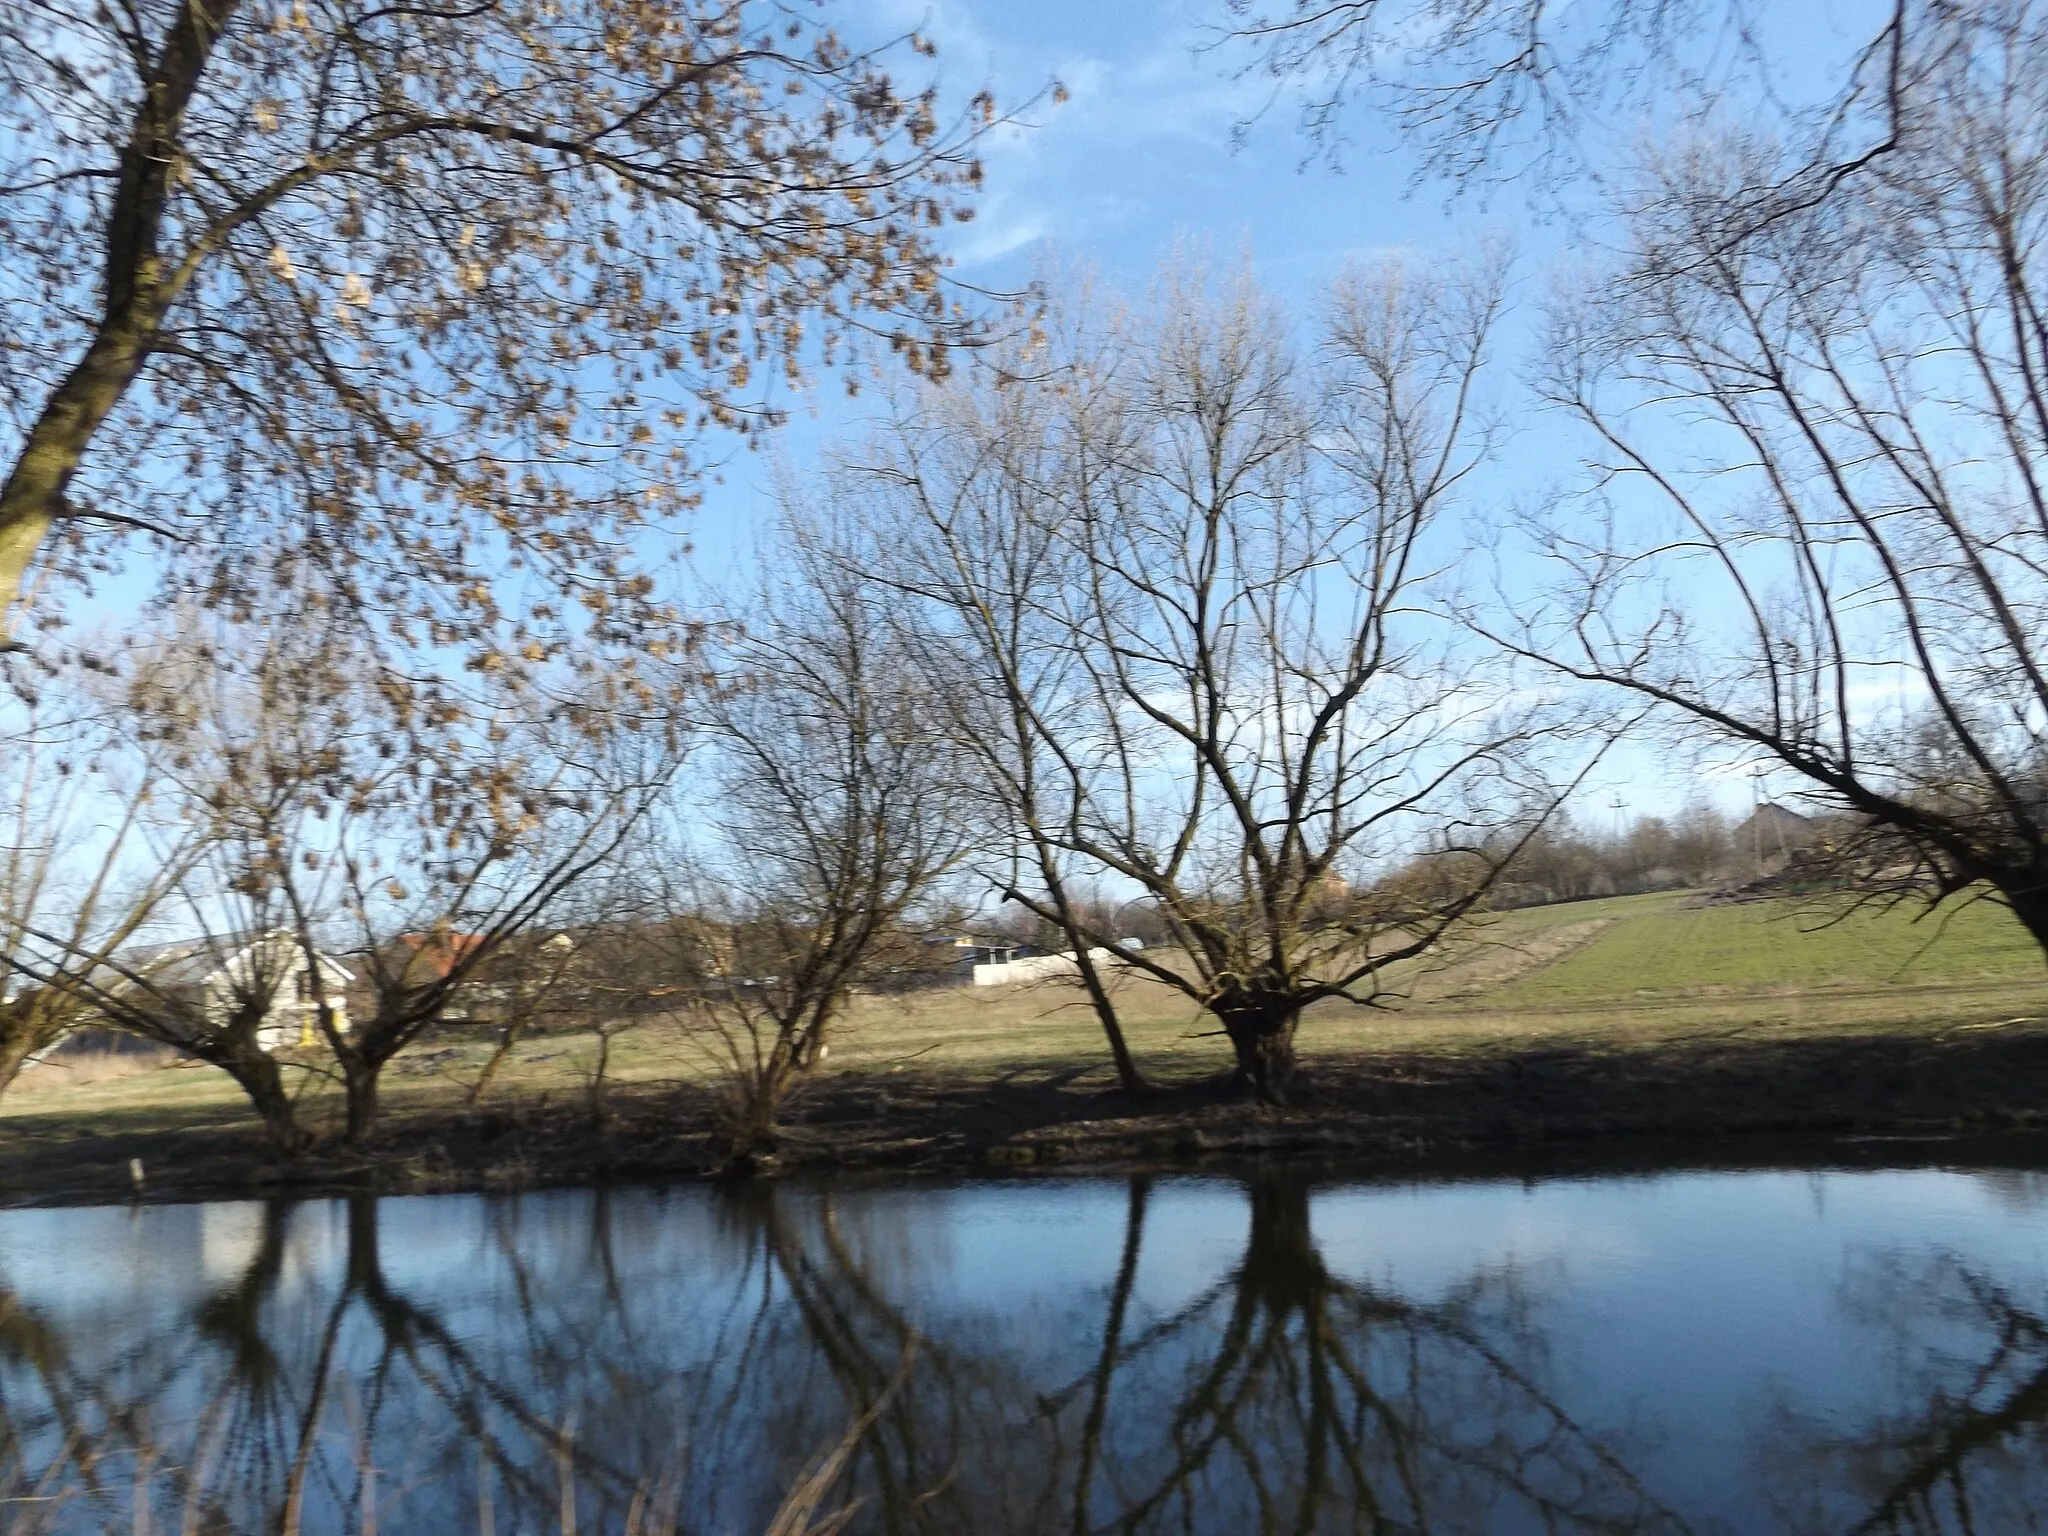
1756	820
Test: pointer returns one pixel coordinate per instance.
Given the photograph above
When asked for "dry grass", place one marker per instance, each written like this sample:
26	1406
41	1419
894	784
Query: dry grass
81	1069
1626	974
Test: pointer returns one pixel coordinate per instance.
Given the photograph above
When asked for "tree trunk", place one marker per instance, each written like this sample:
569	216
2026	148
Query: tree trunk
137	292
598	1072
501	1049
805	1045
360	1077
33	495
25	1028
2027	895
757	1112
262	1080
1262	1035
15	1049
1128	1077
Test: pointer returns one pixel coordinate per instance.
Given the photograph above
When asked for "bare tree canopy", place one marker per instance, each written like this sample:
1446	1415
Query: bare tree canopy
291	855
1489	88
1171	576
1820	524
422	870
830	809
160	938
81	878
397	295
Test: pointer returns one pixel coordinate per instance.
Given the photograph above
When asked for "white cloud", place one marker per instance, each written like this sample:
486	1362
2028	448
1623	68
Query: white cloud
1002	224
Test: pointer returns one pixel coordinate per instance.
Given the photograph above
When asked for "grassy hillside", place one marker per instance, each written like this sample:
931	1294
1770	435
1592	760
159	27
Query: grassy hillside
1617	978
1662	946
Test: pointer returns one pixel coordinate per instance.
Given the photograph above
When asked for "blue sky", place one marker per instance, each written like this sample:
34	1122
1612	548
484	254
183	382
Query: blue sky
1141	156
1141	159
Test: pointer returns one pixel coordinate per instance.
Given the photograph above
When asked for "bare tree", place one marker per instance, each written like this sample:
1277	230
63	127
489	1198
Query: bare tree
418	870
1501	89
78	882
837	813
537	980
1819	529
216	994
428	917
210	983
1170	574
331	285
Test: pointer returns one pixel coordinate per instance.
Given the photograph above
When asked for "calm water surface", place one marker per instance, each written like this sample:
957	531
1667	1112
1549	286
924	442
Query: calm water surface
1743	1352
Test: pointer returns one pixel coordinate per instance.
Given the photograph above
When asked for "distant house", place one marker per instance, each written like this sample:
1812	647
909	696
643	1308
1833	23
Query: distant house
213	974
487	979
431	956
1771	834
955	959
1036	967
991	960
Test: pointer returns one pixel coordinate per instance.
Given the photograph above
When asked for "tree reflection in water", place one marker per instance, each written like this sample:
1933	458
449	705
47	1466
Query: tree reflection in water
345	1411
1963	1446
669	1373
1286	1399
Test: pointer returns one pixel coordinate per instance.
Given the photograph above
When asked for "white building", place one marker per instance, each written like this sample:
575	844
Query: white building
216	974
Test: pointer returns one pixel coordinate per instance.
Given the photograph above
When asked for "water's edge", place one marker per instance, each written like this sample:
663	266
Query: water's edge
1630	1155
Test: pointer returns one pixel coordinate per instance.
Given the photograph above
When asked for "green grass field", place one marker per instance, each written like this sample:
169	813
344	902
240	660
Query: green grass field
1627	973
1636	970
1660	947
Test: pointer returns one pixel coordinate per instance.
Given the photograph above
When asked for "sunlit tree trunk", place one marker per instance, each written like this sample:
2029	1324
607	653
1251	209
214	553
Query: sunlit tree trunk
135	291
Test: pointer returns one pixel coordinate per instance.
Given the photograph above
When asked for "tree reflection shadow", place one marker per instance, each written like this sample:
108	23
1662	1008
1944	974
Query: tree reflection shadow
574	1369
1964	1446
1280	1399
258	1412
1313	1402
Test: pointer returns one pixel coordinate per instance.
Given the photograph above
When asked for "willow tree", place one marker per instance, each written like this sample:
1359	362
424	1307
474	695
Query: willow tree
829	813
425	870
125	910
1170	577
393	294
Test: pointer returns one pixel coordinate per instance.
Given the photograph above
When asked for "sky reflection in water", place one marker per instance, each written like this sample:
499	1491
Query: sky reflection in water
1689	1352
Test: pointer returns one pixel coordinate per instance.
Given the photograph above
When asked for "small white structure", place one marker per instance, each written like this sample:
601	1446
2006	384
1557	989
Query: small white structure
970	949
1035	968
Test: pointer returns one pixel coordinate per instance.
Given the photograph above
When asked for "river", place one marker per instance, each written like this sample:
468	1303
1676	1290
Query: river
1826	1351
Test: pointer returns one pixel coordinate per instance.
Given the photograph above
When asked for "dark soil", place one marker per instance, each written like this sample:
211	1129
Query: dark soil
1968	1096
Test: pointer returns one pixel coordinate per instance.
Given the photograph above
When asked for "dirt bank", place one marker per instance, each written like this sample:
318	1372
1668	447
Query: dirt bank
1705	1100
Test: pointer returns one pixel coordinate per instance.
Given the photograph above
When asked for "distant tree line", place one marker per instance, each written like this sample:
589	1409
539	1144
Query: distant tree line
1698	846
